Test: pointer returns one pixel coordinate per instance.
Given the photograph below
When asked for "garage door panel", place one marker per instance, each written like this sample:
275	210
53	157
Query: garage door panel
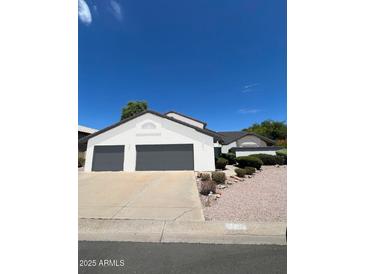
108	158
165	157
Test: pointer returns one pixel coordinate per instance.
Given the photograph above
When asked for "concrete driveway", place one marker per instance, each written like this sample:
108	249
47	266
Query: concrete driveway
153	195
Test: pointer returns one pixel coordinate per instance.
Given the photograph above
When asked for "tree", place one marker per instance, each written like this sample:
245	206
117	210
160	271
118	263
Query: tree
133	108
274	130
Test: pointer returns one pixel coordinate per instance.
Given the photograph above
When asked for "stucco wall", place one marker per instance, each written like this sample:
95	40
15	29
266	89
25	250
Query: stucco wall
251	141
247	141
184	119
151	129
246	153
225	148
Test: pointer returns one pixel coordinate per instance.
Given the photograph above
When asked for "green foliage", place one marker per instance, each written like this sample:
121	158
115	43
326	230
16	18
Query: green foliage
249	161
283	155
231	157
221	163
268	160
282	152
219	177
81	161
207	186
241	172
281	143
133	108
274	130
205	176
250	170
280	160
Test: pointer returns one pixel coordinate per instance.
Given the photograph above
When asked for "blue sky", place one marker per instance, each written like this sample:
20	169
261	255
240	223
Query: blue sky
222	62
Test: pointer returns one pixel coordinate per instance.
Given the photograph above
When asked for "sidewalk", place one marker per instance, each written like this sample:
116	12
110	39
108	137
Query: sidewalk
181	232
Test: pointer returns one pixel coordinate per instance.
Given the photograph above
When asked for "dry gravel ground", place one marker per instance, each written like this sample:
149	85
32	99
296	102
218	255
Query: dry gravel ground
261	198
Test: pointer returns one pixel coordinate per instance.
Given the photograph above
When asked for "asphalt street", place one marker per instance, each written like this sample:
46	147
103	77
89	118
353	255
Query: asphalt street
159	258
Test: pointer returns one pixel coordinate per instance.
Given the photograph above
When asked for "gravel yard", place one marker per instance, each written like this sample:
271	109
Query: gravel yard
261	198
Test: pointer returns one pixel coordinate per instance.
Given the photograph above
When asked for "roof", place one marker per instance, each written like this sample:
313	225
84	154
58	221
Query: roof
87	129
214	134
232	136
191	118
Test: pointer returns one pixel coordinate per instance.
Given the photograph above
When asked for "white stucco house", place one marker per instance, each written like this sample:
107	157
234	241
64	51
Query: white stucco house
170	141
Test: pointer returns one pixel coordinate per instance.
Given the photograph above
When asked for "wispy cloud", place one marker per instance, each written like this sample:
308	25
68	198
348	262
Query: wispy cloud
116	9
249	88
84	13
249	110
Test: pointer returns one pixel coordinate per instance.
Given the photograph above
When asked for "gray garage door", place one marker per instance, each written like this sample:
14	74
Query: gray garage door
165	157
108	158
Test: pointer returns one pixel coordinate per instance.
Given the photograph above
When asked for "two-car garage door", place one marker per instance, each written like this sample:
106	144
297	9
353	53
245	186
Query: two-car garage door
149	157
165	157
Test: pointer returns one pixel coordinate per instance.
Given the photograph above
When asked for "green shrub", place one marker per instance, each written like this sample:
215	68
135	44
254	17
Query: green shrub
245	161
205	176
250	170
282	153
219	177
221	163
268	160
207	186
241	172
280	160
231	157
81	162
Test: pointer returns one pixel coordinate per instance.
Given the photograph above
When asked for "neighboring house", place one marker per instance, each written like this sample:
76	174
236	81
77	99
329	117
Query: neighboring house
83	132
244	143
155	141
243	139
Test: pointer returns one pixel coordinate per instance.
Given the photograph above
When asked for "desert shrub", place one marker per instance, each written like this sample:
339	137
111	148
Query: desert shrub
241	172
207	186
268	160
219	177
205	177
282	153
250	170
81	162
280	160
231	157
221	163
249	161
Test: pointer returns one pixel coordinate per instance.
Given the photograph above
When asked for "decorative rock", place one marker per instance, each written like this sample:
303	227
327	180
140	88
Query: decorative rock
218	195
236	181
277	166
249	176
210	199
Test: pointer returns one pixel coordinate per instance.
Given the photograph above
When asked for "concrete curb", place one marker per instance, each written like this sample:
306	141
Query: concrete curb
181	232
